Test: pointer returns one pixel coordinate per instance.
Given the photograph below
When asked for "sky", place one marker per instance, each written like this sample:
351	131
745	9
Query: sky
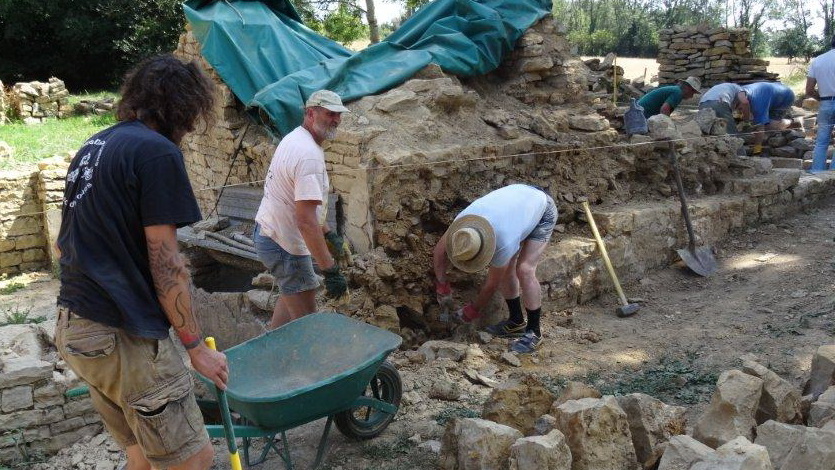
387	10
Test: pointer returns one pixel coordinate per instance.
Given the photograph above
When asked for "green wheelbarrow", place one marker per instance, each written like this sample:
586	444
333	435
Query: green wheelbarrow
321	365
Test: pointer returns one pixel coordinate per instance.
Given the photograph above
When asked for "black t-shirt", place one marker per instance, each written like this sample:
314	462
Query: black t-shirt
123	179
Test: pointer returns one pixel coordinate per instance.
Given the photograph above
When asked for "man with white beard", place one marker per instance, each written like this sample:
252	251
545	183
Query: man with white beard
290	229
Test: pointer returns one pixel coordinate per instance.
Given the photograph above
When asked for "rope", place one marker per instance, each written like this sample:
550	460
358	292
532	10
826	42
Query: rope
442	162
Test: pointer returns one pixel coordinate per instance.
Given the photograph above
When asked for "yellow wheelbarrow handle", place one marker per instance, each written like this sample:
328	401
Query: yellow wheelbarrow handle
228	430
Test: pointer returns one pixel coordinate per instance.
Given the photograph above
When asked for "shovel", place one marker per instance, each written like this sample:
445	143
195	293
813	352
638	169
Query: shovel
699	260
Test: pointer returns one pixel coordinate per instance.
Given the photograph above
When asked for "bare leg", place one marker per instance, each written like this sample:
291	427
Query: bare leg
136	459
509	285
529	257
281	315
292	307
202	460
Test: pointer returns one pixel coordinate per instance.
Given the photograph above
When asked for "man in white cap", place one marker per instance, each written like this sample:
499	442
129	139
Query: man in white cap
507	230
665	99
290	229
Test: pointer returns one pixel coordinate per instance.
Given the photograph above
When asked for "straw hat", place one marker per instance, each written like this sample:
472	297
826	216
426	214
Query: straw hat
694	83
470	243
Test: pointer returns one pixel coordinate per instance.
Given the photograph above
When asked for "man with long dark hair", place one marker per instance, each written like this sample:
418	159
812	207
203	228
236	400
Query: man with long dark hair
123	281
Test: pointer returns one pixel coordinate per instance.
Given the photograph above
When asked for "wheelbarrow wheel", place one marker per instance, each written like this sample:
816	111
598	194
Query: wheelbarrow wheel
366	422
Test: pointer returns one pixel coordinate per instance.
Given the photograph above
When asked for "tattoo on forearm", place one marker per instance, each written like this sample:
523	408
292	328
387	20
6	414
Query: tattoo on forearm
172	284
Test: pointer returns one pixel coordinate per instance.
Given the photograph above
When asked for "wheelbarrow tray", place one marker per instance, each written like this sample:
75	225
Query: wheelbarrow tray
308	369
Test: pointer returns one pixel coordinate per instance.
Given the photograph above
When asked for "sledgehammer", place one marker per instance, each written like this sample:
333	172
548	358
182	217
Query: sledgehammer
626	309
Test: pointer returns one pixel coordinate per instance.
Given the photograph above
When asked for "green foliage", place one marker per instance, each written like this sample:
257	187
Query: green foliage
387	449
671	380
32	143
793	43
447	414
11	288
18	316
344	24
86	43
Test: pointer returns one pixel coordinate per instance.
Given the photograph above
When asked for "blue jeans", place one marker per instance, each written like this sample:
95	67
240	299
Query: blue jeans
826	117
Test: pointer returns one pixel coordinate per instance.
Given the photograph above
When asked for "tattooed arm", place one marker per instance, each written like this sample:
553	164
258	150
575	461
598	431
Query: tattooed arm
173	286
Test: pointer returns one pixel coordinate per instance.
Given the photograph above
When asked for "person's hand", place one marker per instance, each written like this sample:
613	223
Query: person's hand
211	364
335	283
443	293
338	247
467	313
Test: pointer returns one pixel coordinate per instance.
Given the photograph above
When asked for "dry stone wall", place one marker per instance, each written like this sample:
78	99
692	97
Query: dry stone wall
27	199
36	416
34	102
714	55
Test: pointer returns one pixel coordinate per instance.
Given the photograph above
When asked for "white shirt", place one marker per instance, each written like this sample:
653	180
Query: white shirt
297	173
823	71
513	211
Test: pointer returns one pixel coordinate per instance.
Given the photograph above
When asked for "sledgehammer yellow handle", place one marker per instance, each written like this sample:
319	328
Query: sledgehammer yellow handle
228	430
605	254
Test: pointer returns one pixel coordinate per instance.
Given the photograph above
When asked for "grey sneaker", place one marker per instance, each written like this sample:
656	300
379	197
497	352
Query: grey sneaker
527	343
507	329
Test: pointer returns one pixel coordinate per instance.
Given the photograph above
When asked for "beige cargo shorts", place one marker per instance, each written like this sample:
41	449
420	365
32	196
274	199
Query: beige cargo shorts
140	386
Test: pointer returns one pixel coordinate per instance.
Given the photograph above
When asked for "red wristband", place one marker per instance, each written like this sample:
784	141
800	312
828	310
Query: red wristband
443	288
470	312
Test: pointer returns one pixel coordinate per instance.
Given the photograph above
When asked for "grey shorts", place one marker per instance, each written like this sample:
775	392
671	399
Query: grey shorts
140	387
293	273
543	230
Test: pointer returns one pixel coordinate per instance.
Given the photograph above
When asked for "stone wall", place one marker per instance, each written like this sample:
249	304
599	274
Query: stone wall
714	55
30	203
33	102
36	416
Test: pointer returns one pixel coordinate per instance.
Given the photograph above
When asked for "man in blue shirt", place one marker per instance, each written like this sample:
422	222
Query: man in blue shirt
771	104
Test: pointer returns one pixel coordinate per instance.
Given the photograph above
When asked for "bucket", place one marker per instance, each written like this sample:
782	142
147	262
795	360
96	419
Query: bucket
634	121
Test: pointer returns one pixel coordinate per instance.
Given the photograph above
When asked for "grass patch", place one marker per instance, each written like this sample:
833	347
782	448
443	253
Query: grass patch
19	316
32	143
92	96
672	380
448	414
11	288
387	449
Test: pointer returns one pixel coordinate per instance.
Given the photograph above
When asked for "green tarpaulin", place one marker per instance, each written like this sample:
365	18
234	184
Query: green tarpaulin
270	60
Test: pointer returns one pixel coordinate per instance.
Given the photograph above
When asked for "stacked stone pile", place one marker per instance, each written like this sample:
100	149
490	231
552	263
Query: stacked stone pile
714	55
26	198
606	76
37	417
34	102
755	420
3	105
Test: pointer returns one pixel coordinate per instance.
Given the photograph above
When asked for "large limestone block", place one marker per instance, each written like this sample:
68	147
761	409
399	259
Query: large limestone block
822	375
662	127
737	454
574	391
780	400
651	422
682	452
731	410
549	452
823	410
794	447
598	434
518	404
439	349
477	444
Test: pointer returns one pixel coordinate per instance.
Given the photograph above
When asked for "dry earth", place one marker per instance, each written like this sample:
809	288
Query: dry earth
773	296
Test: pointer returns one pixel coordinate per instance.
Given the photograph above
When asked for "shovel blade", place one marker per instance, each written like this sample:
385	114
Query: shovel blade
701	260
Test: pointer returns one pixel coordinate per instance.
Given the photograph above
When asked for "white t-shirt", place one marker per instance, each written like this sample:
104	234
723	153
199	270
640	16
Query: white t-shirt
823	71
297	173
513	211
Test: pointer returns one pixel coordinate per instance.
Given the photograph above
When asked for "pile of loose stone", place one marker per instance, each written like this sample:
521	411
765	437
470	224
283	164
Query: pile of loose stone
714	55
755	420
34	102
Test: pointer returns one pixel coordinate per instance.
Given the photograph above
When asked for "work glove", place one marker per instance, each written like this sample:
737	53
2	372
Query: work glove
757	149
467	313
335	283
338	248
443	293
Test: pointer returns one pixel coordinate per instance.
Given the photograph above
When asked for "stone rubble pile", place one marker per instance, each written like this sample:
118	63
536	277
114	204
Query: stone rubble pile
97	107
34	102
714	55
756	420
606	76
